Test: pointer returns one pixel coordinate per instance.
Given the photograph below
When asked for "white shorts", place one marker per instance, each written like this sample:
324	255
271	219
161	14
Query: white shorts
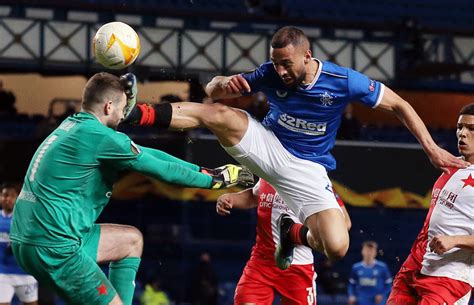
304	185
24	286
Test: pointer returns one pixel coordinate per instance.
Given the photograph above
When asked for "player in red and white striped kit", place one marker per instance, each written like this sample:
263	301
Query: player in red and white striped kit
440	267
261	277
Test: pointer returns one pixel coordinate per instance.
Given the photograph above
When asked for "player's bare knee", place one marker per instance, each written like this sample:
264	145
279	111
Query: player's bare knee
116	301
337	249
135	242
216	116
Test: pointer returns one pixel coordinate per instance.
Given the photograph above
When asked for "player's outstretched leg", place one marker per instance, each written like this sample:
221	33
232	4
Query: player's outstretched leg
285	247
227	123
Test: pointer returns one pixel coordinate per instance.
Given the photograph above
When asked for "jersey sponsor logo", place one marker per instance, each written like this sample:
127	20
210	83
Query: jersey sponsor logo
302	126
269	200
367	281
447	198
327	99
281	94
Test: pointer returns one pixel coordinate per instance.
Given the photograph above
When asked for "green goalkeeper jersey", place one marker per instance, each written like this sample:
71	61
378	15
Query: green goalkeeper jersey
71	176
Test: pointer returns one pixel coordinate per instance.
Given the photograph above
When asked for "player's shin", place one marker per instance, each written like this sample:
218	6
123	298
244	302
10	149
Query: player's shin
299	234
157	115
122	276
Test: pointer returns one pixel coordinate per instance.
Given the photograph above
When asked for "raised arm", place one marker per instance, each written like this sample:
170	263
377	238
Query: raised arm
227	86
241	200
439	157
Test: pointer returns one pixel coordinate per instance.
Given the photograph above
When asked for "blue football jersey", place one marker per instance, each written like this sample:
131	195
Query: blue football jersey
366	282
305	119
8	263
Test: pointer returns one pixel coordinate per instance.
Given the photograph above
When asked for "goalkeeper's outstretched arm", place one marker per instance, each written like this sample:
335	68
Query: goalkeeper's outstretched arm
174	170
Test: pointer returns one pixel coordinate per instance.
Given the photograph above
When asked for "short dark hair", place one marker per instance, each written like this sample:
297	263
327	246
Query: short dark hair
370	244
289	35
468	109
10	185
100	87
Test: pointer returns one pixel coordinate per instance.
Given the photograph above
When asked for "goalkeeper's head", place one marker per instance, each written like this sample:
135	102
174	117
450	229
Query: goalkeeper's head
104	97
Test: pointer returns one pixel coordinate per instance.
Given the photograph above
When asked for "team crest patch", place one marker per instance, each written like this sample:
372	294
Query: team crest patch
326	98
372	85
102	289
468	181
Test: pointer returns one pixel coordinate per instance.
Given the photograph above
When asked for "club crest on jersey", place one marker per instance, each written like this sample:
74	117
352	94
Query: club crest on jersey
326	98
281	94
372	85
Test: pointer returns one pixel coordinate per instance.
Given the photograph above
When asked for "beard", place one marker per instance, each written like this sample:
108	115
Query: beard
297	81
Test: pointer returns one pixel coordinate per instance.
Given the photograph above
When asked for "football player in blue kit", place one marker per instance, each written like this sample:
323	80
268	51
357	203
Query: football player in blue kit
13	280
291	147
370	279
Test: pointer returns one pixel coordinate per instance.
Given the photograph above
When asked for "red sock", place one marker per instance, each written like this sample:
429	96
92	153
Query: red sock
295	233
148	115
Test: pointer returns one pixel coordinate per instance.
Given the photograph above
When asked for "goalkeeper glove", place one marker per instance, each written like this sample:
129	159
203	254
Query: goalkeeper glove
229	175
129	83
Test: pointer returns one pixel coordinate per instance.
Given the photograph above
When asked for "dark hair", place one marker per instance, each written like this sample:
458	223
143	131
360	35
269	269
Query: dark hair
289	35
370	244
10	185
468	109
100	87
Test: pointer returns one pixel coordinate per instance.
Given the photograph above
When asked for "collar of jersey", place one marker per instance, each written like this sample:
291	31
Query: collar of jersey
366	265
316	77
6	215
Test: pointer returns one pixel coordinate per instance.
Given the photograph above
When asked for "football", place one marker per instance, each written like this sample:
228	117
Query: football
116	45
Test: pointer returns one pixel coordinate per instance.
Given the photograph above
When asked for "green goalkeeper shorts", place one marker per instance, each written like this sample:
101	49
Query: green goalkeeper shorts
71	271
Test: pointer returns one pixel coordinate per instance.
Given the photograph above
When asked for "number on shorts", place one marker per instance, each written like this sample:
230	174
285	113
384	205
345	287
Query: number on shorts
310	296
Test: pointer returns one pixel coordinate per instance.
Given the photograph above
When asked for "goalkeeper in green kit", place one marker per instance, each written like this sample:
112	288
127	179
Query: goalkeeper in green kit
70	181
